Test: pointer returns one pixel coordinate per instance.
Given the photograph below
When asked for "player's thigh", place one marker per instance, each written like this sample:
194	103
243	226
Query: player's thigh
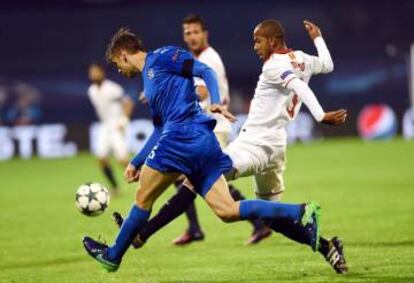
152	184
221	202
269	184
248	158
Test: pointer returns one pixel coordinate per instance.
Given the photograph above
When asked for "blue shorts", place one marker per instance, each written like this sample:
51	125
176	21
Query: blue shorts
193	150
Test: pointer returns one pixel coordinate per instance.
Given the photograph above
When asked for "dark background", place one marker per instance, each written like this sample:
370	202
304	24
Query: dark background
47	45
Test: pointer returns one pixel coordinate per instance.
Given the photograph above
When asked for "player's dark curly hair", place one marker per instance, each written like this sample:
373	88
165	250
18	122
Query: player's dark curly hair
124	39
193	18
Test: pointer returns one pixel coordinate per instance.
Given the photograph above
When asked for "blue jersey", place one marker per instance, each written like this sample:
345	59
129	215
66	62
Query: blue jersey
183	139
169	87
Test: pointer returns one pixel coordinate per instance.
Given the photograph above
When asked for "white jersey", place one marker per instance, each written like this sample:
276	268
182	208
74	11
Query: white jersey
275	104
107	101
211	58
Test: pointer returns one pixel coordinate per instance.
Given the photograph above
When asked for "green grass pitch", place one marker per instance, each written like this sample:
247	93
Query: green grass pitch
366	191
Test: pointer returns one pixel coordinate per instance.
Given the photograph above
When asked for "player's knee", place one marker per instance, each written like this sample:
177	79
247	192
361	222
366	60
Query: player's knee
226	218
273	195
228	215
144	200
231	175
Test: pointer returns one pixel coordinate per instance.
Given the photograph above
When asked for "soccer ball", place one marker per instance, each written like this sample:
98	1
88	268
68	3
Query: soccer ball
92	199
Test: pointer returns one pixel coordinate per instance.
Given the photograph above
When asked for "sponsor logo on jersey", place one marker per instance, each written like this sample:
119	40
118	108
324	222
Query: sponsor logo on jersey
175	56
297	65
151	74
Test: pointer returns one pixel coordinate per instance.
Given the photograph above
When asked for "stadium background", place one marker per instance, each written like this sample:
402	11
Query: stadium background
47	46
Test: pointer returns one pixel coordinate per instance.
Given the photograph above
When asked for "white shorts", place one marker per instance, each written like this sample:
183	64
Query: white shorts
112	139
223	139
266	163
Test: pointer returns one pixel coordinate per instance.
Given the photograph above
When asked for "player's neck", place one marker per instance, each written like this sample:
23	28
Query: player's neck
199	51
138	60
281	48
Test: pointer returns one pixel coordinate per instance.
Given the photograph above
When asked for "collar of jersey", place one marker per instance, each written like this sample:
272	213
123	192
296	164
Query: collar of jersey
283	51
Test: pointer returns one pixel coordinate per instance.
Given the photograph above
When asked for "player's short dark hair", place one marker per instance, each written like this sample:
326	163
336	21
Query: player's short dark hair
193	18
125	39
97	65
272	28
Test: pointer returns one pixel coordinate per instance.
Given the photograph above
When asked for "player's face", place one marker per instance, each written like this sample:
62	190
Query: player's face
262	45
96	74
124	66
195	37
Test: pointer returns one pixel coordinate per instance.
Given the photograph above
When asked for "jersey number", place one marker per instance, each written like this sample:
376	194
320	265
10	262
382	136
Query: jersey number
291	107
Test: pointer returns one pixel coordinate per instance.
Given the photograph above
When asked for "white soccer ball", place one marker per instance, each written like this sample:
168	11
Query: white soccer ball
92	199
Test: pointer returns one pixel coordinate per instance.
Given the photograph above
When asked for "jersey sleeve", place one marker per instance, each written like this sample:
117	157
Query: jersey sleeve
117	92
322	63
306	94
182	63
279	75
139	159
90	95
176	60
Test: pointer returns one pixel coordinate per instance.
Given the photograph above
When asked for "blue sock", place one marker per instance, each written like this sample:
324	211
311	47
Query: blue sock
269	210
132	224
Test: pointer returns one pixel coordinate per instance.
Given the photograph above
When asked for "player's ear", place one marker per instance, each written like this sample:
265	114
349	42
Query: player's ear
122	55
272	42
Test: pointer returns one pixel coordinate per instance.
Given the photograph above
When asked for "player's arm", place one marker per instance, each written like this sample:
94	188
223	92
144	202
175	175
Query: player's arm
202	92
323	62
210	78
182	63
127	106
306	94
132	171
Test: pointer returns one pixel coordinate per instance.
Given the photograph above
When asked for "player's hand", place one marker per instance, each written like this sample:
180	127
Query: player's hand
142	99
313	30
131	174
121	128
217	108
337	117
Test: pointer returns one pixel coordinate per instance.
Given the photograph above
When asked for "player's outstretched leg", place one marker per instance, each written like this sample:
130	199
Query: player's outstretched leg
260	230
193	232
177	205
152	184
306	215
173	208
109	174
331	250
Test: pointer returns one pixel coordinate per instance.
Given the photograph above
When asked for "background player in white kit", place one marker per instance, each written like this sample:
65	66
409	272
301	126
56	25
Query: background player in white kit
113	109
195	35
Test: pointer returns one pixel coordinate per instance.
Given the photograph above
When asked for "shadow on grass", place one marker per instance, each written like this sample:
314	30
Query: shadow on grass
44	263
